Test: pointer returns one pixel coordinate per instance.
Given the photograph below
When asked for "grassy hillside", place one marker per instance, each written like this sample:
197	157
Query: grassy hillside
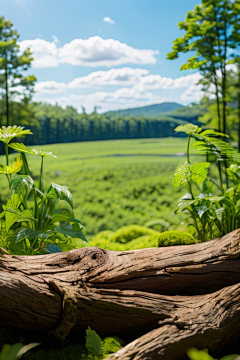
114	183
150	110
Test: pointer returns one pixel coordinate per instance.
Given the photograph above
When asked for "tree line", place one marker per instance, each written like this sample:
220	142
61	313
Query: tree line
53	124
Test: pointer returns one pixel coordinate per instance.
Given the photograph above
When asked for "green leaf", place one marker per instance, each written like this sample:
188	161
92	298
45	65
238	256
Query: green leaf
71	230
11	218
14	168
214	198
10	132
201	146
184	204
22	148
201	210
21	185
93	342
188	129
9	352
60	192
230	357
26	348
30	234
61	217
213	133
52	248
186	66
195	354
25	215
199	172
182	175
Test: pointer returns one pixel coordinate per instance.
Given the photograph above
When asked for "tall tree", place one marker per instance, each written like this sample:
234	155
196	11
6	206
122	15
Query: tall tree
209	34
12	63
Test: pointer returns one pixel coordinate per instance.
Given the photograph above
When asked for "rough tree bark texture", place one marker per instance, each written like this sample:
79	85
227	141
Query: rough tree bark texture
171	298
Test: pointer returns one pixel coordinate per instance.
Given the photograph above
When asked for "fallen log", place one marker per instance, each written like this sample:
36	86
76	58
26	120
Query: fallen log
211	321
151	293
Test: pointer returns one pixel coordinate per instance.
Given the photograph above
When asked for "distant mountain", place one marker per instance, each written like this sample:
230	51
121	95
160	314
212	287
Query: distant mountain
151	110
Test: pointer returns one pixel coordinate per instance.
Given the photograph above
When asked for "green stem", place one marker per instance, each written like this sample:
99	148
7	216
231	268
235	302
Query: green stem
225	164
9	183
35	205
41	176
220	174
26	167
34	242
188	145
7	156
7	163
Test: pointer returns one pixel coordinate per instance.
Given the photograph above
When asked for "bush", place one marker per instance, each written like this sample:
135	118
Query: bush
131	232
130	237
172	238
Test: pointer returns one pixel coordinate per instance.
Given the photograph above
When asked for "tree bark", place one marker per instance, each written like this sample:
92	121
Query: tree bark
171	297
211	321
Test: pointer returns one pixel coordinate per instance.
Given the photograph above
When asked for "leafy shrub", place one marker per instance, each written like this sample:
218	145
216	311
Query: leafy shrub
130	237
143	242
98	349
212	202
131	232
32	217
172	238
158	224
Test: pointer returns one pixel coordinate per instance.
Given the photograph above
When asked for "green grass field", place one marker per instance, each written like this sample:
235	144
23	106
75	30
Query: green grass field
111	191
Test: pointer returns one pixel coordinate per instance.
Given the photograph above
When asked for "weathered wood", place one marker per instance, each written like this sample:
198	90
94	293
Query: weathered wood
210	321
125	293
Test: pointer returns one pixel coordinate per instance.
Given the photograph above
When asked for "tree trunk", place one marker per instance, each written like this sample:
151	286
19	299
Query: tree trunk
173	297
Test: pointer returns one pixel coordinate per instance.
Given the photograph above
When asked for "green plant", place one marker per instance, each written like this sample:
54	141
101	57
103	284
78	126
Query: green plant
12	63
131	232
99	349
195	354
213	202
30	216
172	238
15	351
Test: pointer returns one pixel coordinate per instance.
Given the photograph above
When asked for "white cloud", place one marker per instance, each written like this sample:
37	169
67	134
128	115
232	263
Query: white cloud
45	53
139	78
193	93
55	39
50	87
93	51
160	82
125	76
121	98
108	19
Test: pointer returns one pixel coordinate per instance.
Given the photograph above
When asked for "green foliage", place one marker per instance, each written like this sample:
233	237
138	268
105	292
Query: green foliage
98	349
12	64
112	191
211	31
213	204
172	238
93	342
30	216
53	124
130	237
158	224
131	232
150	110
195	354
15	351
53	349
11	132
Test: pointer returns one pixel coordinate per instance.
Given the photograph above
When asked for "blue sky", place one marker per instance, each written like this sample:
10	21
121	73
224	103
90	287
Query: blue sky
105	53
